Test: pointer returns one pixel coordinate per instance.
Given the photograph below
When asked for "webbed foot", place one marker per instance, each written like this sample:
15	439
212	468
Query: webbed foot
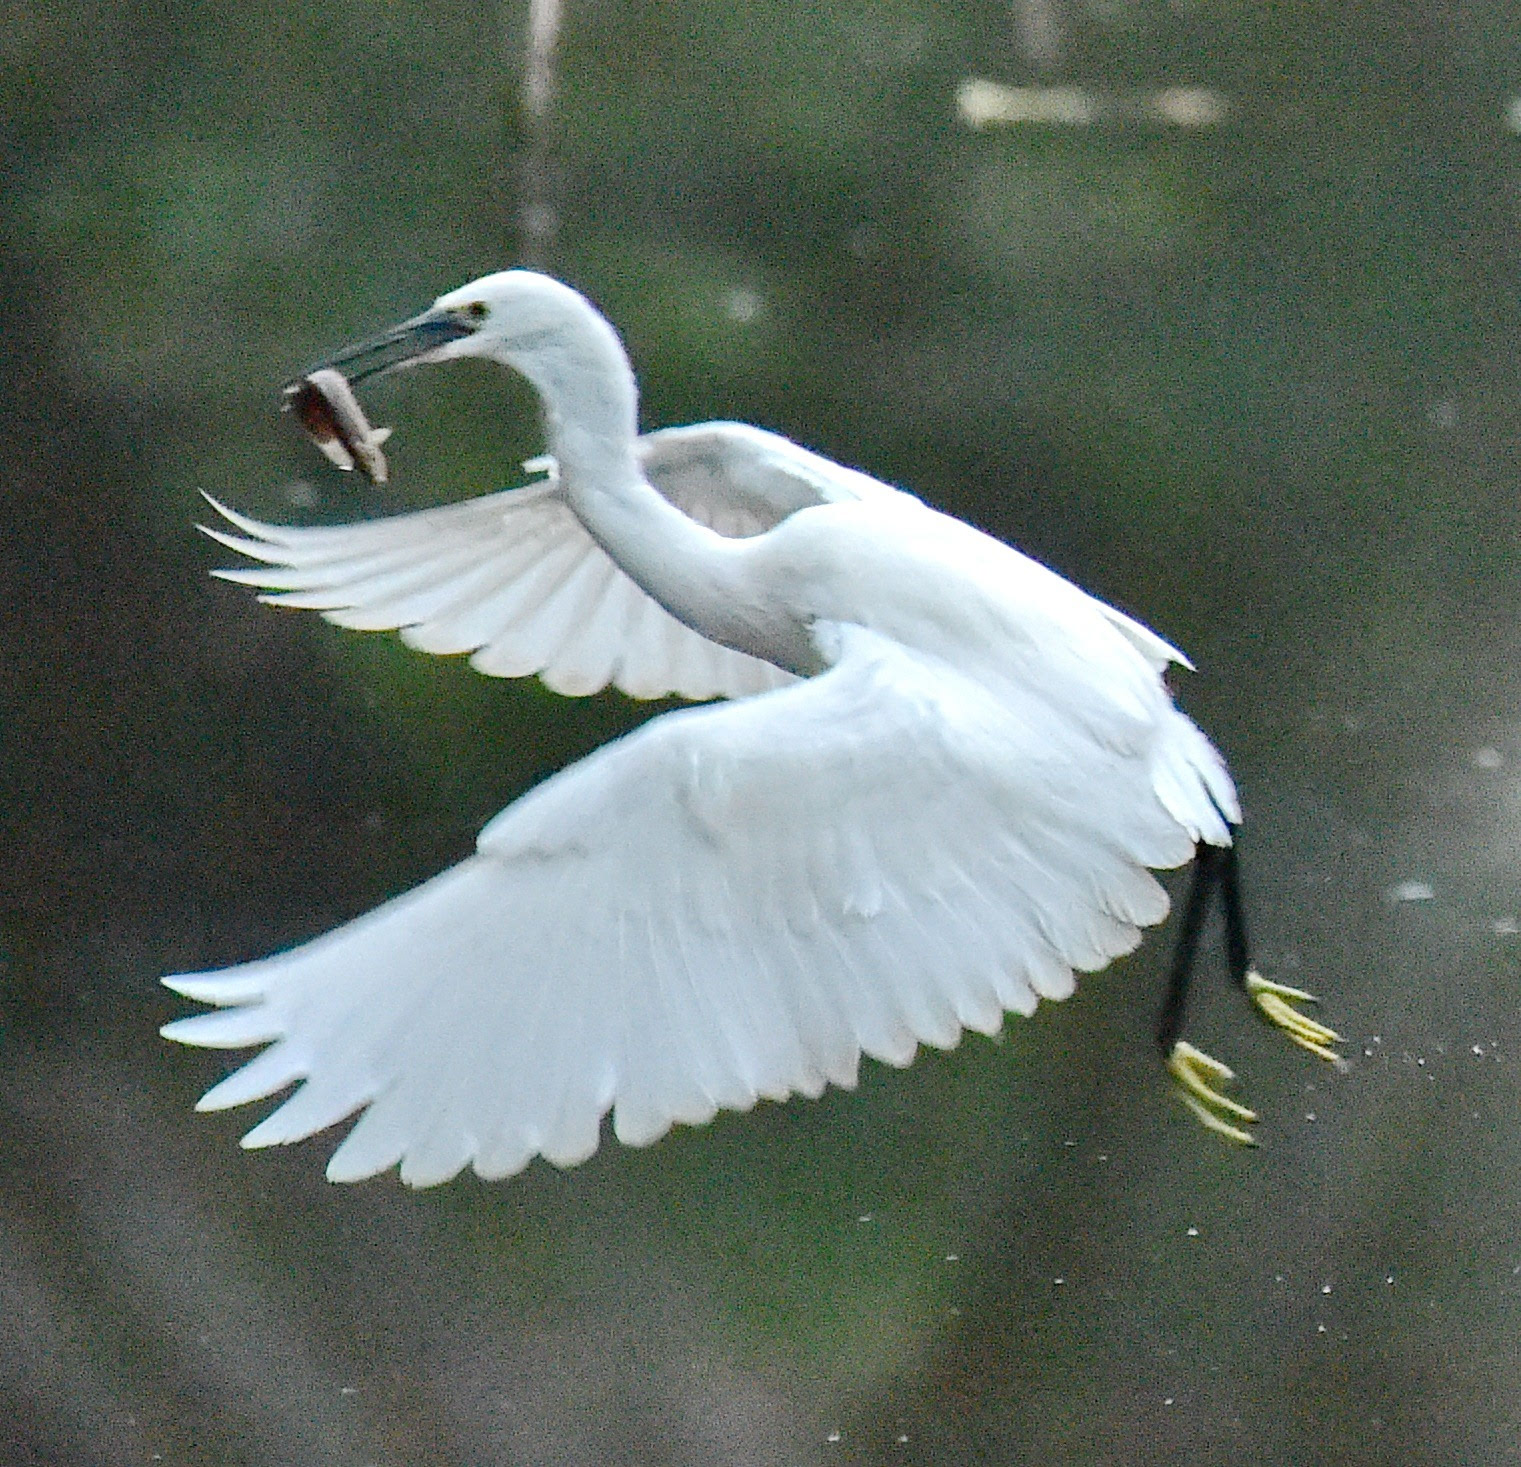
1198	1078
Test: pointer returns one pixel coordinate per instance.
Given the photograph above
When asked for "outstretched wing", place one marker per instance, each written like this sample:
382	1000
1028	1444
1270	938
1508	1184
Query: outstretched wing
514	579
733	902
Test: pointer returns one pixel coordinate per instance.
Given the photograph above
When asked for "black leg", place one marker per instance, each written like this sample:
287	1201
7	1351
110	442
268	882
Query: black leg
1237	954
1208	874
1200	1077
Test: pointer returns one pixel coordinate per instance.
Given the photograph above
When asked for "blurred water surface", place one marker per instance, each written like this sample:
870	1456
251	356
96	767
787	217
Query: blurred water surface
1213	307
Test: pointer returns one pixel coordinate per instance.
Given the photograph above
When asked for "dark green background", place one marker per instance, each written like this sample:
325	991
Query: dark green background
1256	383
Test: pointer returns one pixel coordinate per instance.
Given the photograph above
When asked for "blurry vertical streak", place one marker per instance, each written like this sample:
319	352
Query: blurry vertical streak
60	1402
211	1341
286	1327
1038	32
538	218
631	1369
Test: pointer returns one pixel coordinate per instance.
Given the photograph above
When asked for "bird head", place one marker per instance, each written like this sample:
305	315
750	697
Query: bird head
517	317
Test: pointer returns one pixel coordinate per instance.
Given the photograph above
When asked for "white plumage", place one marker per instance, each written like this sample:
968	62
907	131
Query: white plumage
936	793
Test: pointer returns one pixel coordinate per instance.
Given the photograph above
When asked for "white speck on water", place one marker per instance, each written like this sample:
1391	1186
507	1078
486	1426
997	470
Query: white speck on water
1477	1049
865	1217
1309	1115
1513	115
1410	891
1325	1288
833	1436
953	1258
862	242
1168	1400
1193	1232
1487	758
1320	1329
743	304
1190	106
1506	926
1388	1278
1059	1281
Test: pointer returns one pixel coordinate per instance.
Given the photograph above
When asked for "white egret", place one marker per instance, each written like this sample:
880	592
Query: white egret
935	793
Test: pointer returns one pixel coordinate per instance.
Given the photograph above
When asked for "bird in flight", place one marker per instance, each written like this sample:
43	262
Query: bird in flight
933	785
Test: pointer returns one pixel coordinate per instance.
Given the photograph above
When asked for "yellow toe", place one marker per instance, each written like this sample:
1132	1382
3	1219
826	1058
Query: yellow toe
1198	1078
1275	1002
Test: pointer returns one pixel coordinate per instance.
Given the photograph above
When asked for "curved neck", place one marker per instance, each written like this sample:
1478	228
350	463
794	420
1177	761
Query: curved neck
705	580
590	402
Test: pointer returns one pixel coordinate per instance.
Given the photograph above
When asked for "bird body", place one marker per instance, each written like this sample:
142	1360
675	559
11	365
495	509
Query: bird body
938	786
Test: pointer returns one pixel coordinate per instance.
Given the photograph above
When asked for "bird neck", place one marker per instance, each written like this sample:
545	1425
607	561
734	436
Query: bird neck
705	580
586	387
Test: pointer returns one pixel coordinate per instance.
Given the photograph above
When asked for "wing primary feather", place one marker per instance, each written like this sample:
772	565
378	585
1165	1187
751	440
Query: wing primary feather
589	657
724	1080
380	603
834	1046
971	977
374	1145
476	614
880	1030
269	1071
319	1102
237	986
541	635
639	1115
1021	944
692	1100
927	1010
499	653
230	1028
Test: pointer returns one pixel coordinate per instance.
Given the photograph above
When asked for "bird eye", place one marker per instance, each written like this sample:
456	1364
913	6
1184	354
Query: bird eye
475	311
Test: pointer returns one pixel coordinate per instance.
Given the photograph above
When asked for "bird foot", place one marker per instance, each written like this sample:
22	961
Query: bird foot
1275	1002
1198	1078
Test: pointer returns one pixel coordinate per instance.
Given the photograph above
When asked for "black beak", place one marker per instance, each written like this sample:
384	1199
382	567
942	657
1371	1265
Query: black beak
397	347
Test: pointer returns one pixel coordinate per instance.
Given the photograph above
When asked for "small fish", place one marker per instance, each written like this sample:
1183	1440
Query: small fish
328	411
